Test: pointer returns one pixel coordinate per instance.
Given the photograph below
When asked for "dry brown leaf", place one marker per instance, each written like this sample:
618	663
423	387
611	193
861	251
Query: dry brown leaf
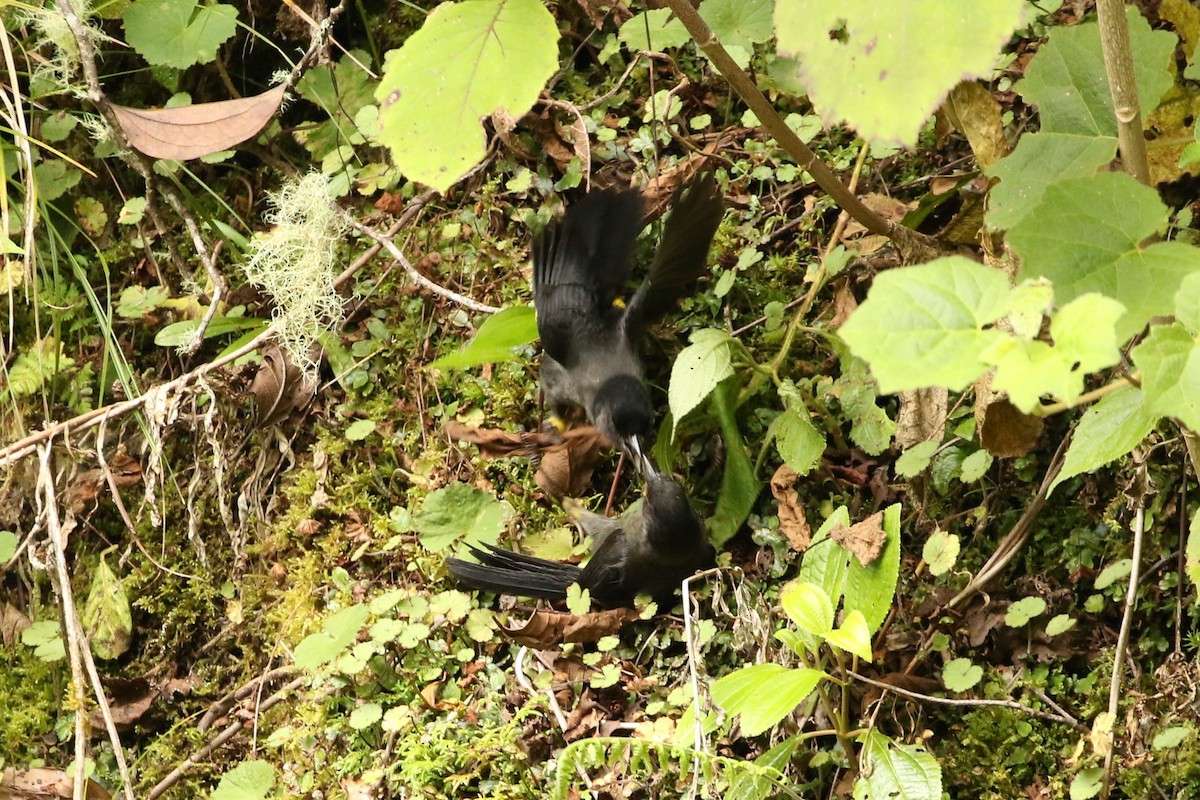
129	700
279	387
126	470
1006	432
844	303
922	416
197	130
548	628
887	207
975	112
12	622
568	459
792	522
44	782
864	539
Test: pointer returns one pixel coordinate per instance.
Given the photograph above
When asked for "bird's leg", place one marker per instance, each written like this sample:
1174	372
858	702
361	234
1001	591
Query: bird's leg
612	492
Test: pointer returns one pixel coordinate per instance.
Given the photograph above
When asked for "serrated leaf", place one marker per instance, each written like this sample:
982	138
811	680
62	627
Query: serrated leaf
1171	737
827	565
1187	303
178	33
739	25
940	552
698	370
659	24
1108	430
45	639
495	340
460	511
896	770
764	694
852	636
858	57
915	459
1023	610
1169	360
1087	783
798	441
1059	624
338	633
870	589
1066	77
975	466
249	780
1086	236
365	716
1192	550
925	325
808	606
1039	160
871	428
961	674
107	618
468	60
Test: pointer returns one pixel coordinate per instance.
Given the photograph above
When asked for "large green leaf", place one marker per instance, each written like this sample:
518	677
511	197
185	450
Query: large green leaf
885	67
870	589
1066	78
764	694
739	485
1039	160
107	618
467	61
1086	236
928	325
698	370
178	33
460	510
1169	360
1108	431
825	563
508	328
798	441
900	771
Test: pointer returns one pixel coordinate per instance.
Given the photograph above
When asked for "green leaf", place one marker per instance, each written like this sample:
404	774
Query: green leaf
871	428
132	211
1121	568
915	459
764	694
1191	551
975	466
896	770
1023	610
826	565
925	325
940	552
961	674
808	606
107	618
1172	737
1086	236
857	57
799	443
1107	431
359	429
468	60
664	31
180	333
853	636
178	33
579	600
365	716
495	340
1059	624
1085	340
8	545
755	784
1039	160
739	485
1066	77
739	25
338	633
698	370
1169	360
1187	303
870	589
1087	783
44	638
249	780
460	510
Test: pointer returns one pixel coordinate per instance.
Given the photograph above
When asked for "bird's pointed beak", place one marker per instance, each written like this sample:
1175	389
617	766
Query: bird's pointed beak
642	458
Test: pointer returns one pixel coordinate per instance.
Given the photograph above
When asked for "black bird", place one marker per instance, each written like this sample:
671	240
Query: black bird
581	263
647	550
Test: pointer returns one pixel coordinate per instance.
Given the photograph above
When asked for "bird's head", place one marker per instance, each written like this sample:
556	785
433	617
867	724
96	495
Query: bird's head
670	518
622	411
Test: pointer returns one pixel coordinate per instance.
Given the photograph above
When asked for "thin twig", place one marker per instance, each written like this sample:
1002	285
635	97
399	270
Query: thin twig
418	278
1064	718
699	743
1114	687
1122	83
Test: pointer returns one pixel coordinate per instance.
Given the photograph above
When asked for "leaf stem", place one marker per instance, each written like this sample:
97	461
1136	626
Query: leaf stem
1086	397
1118	66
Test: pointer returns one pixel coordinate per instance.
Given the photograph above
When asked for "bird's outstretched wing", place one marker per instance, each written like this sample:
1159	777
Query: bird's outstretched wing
682	255
581	261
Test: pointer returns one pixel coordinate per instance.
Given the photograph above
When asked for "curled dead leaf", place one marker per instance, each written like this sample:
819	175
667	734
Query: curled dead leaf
792	522
567	459
1007	432
279	387
548	628
197	130
864	539
44	782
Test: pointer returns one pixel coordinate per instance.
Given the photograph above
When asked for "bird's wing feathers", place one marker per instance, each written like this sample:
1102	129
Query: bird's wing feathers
682	255
507	572
580	264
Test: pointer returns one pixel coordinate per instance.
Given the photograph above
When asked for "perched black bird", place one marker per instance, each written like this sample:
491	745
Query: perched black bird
648	550
581	263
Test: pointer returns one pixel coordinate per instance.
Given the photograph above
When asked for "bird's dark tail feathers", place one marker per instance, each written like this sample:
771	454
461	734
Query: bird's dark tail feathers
507	572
